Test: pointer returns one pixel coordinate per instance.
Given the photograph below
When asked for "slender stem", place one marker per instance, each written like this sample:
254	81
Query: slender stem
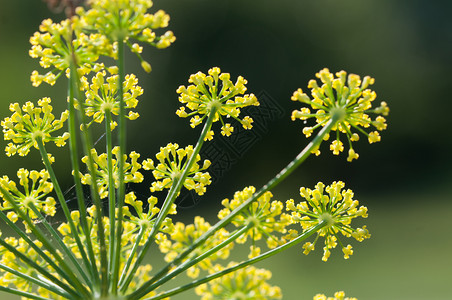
122	137
254	260
292	166
111	187
170	198
45	284
68	274
188	263
67	215
38	250
26	295
73	149
88	145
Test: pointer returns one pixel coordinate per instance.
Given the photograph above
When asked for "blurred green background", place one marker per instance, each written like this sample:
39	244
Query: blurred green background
405	180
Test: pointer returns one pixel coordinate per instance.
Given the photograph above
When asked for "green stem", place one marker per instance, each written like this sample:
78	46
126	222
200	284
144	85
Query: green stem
39	251
88	145
254	260
67	214
170	198
22	294
111	187
45	284
292	166
68	274
187	264
122	137
73	150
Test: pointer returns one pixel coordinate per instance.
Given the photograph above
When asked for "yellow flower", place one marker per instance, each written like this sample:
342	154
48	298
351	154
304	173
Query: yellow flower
172	162
36	186
184	235
349	99
50	45
337	296
28	124
125	20
264	215
215	90
131	170
246	283
337	207
102	96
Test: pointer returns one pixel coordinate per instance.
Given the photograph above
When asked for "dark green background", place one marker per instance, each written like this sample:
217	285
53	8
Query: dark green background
278	46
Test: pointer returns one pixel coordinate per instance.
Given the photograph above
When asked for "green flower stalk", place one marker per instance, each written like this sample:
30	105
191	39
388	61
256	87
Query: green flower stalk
100	249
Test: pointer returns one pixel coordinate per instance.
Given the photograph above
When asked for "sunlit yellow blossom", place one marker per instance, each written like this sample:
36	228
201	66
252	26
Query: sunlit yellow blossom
350	100
172	161
35	187
246	283
337	207
337	296
184	235
126	20
28	124
50	45
264	215
102	96
215	90
131	170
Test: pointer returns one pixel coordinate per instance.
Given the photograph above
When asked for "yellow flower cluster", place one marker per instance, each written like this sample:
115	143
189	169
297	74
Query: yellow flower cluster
265	216
102	96
125	20
131	170
172	162
36	187
349	99
28	124
184	235
337	296
247	283
52	45
337	207
215	90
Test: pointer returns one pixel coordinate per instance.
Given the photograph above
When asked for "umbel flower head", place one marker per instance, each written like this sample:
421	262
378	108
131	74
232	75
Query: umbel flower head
337	207
30	123
264	215
184	235
172	162
215	90
246	283
131	170
102	95
337	296
347	97
125	20
35	187
52	45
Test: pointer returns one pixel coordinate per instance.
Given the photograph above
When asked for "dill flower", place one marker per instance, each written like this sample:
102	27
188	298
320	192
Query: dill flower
183	236
347	97
102	96
246	283
36	187
52	45
131	170
172	161
265	216
337	207
337	296
215	90
28	124
125	20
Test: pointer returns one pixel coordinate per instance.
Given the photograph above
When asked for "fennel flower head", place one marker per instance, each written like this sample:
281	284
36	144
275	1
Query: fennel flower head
349	99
